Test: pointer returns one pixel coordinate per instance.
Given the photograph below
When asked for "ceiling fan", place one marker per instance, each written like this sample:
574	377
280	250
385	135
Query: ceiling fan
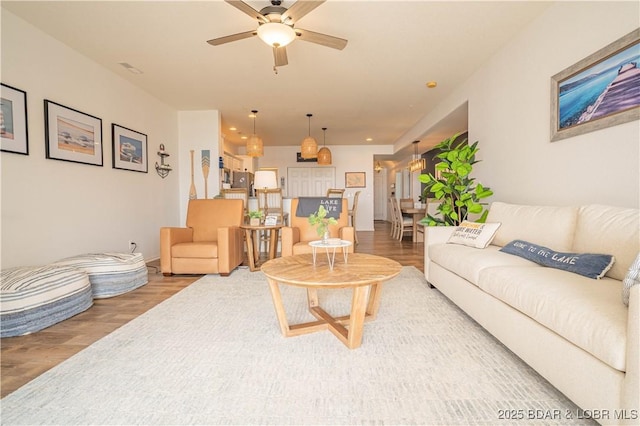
276	28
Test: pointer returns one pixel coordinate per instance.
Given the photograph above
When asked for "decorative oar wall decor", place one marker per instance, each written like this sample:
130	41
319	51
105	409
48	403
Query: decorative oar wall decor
192	189
206	160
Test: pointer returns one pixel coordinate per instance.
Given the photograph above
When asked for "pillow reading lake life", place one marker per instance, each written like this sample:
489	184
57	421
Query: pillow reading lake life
473	234
587	264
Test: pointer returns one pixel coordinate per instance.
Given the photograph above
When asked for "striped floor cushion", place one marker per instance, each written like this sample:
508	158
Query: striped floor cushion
33	298
111	274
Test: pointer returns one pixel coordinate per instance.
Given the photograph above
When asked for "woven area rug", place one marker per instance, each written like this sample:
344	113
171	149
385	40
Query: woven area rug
213	354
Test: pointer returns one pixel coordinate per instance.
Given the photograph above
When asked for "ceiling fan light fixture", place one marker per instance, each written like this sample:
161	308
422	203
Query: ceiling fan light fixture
324	154
276	34
309	146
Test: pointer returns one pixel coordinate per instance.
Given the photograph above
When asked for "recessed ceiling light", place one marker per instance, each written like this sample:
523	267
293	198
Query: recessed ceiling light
130	68
243	137
431	84
369	139
233	129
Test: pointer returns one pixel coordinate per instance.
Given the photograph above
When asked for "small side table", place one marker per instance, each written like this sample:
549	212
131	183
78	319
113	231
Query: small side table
332	244
253	241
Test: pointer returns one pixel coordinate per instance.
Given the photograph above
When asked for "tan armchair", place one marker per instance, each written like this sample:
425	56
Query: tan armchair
212	242
296	237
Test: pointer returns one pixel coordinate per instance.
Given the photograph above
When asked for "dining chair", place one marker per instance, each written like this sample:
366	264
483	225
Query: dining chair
335	193
352	214
405	223
237	193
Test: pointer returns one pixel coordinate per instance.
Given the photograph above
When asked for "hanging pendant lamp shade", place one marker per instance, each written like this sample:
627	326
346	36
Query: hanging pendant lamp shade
324	154
309	147
255	148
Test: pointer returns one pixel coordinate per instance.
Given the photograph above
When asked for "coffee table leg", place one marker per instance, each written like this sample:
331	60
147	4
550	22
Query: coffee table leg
374	300
356	319
277	303
312	297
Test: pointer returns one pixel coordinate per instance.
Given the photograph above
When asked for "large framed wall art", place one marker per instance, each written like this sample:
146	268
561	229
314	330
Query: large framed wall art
71	135
129	149
13	120
600	91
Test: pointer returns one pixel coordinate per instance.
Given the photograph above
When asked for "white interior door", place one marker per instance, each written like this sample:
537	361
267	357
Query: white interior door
310	181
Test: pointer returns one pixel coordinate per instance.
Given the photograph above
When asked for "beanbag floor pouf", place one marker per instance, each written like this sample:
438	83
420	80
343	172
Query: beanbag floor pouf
37	297
110	274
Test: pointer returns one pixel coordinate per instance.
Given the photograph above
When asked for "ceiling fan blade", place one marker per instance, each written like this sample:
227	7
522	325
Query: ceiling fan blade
323	39
280	56
227	39
300	8
243	7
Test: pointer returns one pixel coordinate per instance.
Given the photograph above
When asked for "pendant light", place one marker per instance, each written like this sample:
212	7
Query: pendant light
309	147
417	163
324	154
255	147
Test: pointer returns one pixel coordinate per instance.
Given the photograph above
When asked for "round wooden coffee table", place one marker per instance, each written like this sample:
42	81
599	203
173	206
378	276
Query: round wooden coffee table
363	272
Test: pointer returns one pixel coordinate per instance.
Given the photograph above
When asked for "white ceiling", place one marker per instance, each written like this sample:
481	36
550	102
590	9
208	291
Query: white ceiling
374	88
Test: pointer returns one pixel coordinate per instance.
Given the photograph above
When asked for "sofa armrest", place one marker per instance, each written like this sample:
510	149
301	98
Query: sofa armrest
290	236
168	237
230	249
631	392
434	235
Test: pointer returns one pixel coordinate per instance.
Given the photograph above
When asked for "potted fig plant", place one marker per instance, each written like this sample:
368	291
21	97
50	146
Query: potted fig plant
320	220
458	192
254	217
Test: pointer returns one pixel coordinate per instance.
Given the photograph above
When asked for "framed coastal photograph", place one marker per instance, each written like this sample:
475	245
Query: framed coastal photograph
355	180
129	149
13	120
71	135
600	91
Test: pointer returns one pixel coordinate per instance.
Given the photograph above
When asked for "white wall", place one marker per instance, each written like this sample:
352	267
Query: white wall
52	209
509	113
198	130
350	158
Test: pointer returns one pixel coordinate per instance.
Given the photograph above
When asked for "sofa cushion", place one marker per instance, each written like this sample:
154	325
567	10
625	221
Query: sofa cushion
611	230
588	264
203	250
586	312
548	226
467	262
473	234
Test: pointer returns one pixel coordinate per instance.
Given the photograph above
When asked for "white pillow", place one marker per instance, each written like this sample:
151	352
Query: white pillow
632	278
472	234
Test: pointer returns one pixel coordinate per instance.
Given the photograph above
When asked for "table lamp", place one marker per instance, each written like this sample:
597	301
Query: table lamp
265	179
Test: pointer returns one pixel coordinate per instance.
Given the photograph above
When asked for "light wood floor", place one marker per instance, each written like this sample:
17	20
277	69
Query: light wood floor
24	358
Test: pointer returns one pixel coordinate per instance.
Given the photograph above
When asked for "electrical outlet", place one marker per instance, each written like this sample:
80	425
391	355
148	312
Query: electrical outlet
132	246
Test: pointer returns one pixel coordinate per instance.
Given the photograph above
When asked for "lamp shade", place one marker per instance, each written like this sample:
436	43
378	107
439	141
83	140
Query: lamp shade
255	148
265	179
276	34
324	156
309	148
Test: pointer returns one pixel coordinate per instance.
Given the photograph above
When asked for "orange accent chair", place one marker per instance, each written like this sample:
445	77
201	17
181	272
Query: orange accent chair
211	243
296	238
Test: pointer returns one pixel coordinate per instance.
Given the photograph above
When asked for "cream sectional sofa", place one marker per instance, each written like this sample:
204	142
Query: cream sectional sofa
575	331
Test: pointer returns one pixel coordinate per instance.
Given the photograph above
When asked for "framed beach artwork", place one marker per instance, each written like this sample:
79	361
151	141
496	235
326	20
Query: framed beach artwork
13	120
355	180
129	149
600	91
71	135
